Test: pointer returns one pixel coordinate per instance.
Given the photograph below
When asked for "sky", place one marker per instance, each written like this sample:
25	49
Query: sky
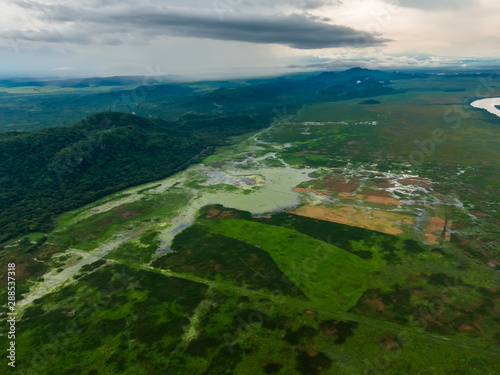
222	38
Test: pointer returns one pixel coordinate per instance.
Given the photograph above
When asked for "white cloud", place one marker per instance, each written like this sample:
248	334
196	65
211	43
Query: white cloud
63	69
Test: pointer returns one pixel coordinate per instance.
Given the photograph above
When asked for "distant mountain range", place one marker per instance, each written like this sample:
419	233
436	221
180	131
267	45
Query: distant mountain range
88	82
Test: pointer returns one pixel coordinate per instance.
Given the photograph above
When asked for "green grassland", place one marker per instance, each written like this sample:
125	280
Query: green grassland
86	234
335	279
137	251
413	116
223	301
115	320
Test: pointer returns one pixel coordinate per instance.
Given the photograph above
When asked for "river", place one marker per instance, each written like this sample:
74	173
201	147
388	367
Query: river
488	104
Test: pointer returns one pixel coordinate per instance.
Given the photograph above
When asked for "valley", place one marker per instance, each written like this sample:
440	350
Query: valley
315	245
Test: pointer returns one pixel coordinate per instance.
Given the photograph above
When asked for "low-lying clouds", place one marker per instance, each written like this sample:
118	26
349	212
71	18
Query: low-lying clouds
114	25
394	62
434	4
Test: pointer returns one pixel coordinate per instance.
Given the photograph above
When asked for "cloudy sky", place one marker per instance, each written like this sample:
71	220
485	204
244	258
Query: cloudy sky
216	38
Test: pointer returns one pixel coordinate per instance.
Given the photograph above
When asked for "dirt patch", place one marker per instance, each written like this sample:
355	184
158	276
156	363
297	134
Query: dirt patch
379	199
380	185
105	222
129	214
375	304
20	269
433	231
377	220
228	215
215	212
342	186
465	328
478	213
431	239
417	292
375	193
353	147
212	213
315	152
417	181
390	342
338	330
346	195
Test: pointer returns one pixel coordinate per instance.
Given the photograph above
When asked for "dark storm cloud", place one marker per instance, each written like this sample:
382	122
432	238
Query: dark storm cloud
299	31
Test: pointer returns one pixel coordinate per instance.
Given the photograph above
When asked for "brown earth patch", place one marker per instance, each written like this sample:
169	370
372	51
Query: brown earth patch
314	152
434	229
212	212
390	342
20	270
462	240
373	219
431	239
377	304
129	214
262	216
379	199
465	328
375	193
414	277
380	185
105	222
337	185
346	195
418	181
478	326
353	147
478	213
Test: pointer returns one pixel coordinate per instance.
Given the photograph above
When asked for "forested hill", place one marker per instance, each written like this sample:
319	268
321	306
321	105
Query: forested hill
53	170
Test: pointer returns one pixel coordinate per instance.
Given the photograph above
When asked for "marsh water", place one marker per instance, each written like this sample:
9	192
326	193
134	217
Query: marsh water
274	194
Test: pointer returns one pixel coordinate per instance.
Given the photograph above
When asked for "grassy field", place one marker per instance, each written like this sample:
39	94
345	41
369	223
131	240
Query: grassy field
219	303
330	277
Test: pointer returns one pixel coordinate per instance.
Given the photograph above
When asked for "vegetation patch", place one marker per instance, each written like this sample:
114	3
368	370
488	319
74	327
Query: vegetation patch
137	251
